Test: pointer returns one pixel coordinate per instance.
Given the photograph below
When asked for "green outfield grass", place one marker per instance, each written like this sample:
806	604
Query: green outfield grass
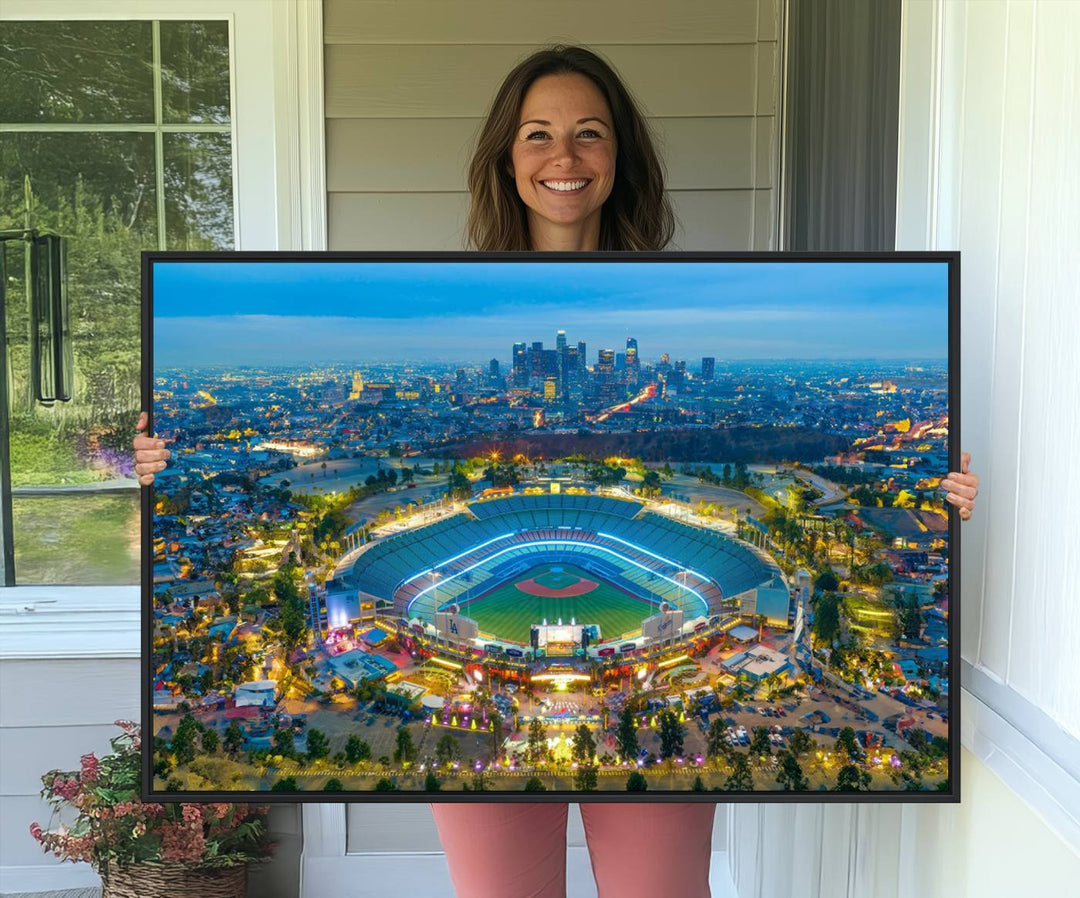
507	612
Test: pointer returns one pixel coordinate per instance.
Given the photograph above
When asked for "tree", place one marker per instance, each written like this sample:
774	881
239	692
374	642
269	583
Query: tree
431	782
404	748
447	749
284	743
209	741
827	619
717	745
826	581
760	744
636	782
911	617
791	777
333	785
584	746
672	733
698	786
285	784
386	785
650	484
585	778
741	779
852	779
847	743
626	734
234	739
800	743
318	746
183	740
537	744
357	750
535	784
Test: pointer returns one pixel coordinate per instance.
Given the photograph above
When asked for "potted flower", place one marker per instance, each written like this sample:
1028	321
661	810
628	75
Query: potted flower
167	850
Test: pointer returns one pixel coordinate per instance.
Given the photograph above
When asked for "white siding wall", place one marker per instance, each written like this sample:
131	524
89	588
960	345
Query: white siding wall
989	149
408	82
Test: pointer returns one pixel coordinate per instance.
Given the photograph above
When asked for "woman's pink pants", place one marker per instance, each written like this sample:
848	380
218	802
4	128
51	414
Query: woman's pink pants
519	850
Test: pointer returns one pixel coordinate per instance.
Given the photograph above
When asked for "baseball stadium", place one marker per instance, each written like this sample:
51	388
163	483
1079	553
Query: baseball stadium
530	577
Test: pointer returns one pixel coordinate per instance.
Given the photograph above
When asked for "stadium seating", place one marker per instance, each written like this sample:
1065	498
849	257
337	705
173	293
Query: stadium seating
644	553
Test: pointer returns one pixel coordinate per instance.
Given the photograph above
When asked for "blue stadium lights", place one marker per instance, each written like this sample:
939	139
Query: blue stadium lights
559	542
452	560
654	555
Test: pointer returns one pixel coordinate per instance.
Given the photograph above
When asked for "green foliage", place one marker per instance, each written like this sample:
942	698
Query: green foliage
458	485
741	778
404	748
826	581
535	784
585	778
318	746
672	734
605	475
431	782
847	743
386	785
716	739
636	782
447	749
537	744
285	784
626	734
790	776
800	743
827	618
209	741
584	745
759	744
357	750
333	785
852	779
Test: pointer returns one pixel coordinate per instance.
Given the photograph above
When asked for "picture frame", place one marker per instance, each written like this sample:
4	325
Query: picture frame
514	454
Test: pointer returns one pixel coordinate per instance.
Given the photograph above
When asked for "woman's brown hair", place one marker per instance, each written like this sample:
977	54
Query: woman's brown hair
637	214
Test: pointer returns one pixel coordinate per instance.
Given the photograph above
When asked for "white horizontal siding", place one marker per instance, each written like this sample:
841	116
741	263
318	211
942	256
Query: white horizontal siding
398	154
459	80
521	22
408	83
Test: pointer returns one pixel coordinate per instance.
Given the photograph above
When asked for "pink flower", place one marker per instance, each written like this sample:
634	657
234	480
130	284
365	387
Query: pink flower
36	832
192	813
89	767
181	842
65	788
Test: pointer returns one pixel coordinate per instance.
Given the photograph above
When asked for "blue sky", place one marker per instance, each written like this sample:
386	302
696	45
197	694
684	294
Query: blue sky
261	313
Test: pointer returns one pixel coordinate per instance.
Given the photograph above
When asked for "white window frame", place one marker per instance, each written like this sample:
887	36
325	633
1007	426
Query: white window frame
279	189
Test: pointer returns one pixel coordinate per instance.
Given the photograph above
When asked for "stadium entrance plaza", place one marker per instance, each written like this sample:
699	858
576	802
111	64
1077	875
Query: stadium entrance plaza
345	716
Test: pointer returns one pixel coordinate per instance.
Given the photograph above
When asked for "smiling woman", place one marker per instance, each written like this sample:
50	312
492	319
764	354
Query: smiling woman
560	118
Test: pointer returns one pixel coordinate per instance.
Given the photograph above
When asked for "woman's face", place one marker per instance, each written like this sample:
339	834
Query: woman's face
563	154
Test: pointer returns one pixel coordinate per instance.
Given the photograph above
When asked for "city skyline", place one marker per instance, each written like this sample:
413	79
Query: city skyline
468	312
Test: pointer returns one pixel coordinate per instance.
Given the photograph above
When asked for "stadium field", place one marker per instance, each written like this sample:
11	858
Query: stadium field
510	608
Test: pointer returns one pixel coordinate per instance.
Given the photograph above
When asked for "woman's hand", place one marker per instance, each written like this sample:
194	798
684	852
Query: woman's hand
150	453
962	487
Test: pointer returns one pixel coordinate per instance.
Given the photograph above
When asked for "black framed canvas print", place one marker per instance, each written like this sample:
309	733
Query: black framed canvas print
501	527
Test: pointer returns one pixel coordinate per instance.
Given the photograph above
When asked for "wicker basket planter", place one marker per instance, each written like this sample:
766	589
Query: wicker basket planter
151	880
